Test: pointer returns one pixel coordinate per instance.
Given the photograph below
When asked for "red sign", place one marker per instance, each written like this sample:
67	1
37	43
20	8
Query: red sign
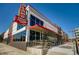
22	11
21	18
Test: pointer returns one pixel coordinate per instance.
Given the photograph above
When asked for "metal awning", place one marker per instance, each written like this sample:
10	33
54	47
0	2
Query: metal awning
43	29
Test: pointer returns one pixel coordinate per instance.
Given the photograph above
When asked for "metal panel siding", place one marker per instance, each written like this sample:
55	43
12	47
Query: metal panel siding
51	27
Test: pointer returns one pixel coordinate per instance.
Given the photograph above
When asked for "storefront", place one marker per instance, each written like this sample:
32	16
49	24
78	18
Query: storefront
32	27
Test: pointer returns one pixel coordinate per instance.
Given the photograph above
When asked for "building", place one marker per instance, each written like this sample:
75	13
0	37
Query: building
76	34
76	30
31	26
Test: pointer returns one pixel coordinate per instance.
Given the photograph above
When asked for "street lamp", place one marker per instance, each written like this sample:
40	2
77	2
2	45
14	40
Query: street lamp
75	46
76	36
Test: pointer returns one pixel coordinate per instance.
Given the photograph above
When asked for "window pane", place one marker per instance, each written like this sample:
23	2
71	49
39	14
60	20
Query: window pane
32	20
23	35
41	36
32	17
37	21
19	26
32	35
20	36
41	23
37	36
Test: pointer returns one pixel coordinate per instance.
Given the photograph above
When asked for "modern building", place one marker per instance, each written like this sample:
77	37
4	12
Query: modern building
76	31
76	34
29	26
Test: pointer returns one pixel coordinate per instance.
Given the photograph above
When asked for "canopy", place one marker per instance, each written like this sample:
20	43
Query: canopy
43	29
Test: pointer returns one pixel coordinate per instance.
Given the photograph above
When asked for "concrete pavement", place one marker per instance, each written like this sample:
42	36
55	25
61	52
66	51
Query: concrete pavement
65	49
8	50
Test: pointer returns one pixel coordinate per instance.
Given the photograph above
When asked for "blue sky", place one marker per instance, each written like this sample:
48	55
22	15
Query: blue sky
64	15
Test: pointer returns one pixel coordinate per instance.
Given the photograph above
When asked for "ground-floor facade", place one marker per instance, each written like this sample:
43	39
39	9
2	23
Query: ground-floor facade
35	38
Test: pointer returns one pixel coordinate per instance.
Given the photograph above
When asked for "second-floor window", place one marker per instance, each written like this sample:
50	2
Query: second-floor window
34	20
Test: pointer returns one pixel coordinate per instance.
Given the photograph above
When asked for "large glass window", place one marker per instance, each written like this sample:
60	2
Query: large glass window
20	36
34	20
37	35
41	36
41	23
37	21
19	26
32	17
34	35
23	35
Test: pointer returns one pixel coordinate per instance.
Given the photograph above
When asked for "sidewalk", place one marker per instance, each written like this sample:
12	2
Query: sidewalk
65	49
8	50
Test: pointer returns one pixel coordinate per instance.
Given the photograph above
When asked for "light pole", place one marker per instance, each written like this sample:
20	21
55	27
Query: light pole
75	32
72	40
76	42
